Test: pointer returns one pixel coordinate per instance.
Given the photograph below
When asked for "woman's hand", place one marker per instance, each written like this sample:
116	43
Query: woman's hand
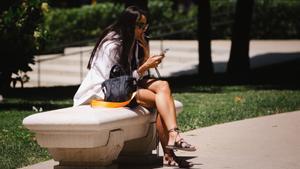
153	61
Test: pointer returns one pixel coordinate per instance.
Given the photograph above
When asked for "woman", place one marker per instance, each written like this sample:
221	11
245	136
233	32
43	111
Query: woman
120	44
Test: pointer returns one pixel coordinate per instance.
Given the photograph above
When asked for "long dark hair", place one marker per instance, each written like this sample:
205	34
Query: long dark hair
124	27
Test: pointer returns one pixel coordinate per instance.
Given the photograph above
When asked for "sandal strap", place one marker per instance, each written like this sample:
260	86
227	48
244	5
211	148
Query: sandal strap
181	142
172	162
176	129
184	164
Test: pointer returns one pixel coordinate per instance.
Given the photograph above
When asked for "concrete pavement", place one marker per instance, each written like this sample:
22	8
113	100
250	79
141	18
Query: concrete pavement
269	142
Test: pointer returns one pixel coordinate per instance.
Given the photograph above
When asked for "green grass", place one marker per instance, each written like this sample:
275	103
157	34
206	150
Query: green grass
18	147
203	106
232	103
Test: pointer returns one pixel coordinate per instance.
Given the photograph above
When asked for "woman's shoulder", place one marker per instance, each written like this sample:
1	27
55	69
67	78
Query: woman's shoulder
111	41
112	35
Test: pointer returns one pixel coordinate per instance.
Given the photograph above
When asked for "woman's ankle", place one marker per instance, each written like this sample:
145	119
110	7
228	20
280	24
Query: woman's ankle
172	138
170	154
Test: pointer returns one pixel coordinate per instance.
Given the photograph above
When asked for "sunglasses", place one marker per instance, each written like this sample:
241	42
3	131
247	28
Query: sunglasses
141	25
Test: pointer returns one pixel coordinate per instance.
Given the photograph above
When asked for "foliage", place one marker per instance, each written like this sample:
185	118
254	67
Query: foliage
69	26
272	19
77	24
20	34
172	20
222	18
276	19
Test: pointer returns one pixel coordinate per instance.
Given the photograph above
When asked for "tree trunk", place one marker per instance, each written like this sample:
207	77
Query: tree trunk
204	36
239	62
5	79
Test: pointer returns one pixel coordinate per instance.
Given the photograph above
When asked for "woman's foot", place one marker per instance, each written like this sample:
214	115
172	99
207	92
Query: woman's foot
173	161
177	143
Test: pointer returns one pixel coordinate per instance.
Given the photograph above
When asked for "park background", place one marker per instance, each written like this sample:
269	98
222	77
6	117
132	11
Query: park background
35	30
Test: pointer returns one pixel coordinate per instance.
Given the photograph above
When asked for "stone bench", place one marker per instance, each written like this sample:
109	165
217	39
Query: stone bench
93	137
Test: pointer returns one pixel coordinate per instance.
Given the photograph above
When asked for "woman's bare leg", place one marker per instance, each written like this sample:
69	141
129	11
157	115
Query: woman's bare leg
163	135
165	105
146	98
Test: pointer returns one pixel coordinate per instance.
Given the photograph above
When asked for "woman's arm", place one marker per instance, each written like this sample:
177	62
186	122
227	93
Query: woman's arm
148	62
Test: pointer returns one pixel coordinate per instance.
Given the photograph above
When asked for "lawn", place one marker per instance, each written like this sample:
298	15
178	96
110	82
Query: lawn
215	105
204	105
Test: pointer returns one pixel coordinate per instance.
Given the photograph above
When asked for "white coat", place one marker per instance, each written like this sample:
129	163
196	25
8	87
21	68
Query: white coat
103	61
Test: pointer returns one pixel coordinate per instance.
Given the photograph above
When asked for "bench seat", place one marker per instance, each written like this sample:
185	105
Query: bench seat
86	136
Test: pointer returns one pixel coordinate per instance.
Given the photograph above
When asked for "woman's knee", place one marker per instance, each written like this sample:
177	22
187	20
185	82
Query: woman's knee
145	98
164	87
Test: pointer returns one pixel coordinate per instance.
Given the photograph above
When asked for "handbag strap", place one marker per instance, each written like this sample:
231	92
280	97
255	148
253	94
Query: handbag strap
101	103
111	73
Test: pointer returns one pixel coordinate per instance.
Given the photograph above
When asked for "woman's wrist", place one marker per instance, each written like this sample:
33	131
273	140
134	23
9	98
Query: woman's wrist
140	74
143	68
140	71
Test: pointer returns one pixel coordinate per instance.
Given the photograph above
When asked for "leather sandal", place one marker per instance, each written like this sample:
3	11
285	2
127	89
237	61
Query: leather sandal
177	162
180	144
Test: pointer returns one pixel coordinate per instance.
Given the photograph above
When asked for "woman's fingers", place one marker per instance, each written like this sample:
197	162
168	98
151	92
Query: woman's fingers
158	57
155	60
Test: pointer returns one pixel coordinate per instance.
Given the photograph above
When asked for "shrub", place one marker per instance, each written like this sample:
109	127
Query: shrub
20	36
276	19
78	24
272	19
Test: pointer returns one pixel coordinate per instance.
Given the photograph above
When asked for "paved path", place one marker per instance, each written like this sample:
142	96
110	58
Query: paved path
269	142
182	58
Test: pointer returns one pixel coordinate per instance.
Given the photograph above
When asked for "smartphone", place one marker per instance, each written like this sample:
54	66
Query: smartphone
165	51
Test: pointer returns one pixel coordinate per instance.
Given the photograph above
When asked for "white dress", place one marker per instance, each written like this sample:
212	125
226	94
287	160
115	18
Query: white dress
104	59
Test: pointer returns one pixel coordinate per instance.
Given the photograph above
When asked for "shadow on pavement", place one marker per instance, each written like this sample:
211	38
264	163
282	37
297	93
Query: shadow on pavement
158	164
282	73
273	58
262	60
269	71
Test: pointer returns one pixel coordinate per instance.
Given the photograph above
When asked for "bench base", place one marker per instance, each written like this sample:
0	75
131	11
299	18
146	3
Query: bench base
93	157
139	151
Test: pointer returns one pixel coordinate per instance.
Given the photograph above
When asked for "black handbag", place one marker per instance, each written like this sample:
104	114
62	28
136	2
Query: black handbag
120	86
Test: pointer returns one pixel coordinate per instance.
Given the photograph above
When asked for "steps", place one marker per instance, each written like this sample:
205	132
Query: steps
68	68
182	58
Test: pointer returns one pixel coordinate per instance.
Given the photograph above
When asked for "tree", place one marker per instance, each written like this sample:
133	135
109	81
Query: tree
19	36
239	62
204	38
